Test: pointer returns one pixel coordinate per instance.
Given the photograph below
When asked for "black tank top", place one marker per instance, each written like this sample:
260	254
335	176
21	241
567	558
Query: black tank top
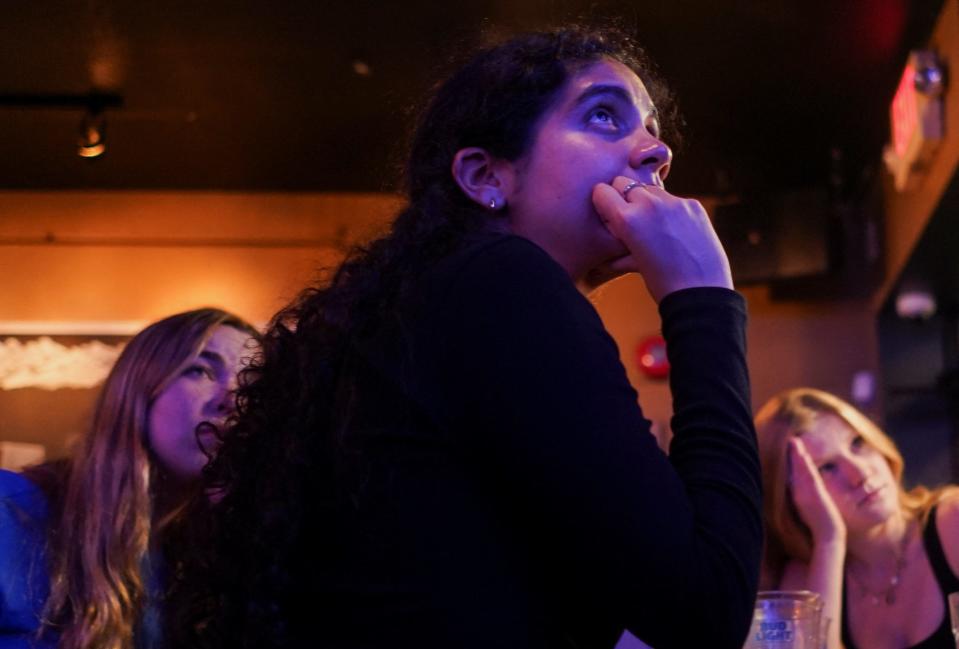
941	638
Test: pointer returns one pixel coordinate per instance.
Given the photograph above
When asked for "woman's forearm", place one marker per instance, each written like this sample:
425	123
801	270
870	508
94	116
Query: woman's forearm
825	577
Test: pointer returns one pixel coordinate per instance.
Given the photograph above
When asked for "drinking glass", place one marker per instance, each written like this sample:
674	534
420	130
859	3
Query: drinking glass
824	622
786	620
954	616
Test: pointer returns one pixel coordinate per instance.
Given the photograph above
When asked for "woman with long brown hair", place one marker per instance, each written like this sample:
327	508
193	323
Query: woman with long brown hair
840	523
82	541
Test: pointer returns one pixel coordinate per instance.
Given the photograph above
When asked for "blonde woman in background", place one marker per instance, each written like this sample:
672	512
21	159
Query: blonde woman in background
84	542
840	523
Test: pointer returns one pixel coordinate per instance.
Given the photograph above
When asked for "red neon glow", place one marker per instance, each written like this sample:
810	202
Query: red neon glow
651	355
903	112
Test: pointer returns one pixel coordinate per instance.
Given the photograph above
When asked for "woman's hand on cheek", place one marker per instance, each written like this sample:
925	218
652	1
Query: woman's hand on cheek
815	506
671	241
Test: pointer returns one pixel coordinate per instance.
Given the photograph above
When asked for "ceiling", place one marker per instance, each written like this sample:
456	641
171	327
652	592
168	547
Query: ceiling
261	95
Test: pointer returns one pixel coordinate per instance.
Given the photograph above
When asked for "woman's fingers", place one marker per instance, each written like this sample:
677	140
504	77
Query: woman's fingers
800	465
609	203
804	474
670	238
810	495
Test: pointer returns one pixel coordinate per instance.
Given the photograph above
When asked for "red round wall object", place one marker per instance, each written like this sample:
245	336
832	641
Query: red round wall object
651	357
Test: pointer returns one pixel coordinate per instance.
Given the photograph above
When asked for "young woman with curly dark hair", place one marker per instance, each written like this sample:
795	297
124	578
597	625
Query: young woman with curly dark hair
439	446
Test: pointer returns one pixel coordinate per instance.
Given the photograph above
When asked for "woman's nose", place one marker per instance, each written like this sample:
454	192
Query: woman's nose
854	472
226	399
652	158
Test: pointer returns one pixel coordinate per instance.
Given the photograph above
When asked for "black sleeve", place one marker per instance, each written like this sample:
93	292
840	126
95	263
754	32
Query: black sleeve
668	547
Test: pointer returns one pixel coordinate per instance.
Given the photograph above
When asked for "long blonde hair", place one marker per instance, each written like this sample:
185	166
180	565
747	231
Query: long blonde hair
790	414
103	519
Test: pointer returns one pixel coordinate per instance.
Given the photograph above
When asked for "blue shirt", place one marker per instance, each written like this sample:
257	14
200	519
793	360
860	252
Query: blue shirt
24	583
24	580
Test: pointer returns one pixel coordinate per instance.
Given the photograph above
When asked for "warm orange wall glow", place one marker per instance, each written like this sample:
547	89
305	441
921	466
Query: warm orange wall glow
142	255
820	344
138	256
126	283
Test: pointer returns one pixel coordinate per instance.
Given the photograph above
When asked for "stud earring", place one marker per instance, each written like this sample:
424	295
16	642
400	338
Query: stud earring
492	203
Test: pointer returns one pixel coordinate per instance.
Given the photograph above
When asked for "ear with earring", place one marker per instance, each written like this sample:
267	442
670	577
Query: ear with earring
482	177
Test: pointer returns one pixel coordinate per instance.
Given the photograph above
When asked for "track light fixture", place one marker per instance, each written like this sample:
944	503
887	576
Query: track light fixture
91	142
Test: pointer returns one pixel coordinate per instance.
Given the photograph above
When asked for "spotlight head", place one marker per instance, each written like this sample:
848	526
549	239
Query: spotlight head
91	142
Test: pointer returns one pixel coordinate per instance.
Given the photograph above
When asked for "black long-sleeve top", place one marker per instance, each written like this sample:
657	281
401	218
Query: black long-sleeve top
501	488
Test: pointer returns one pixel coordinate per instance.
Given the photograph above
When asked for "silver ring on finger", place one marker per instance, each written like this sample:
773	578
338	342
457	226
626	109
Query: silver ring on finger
630	187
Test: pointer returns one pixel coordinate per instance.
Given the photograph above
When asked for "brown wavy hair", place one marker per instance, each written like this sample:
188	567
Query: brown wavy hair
790	414
102	514
279	464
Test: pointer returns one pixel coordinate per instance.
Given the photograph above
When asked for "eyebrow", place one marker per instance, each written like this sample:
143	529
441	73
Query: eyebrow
212	357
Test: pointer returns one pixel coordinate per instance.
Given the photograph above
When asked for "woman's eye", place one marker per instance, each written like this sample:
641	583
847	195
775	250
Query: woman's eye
857	442
826	468
197	371
602	116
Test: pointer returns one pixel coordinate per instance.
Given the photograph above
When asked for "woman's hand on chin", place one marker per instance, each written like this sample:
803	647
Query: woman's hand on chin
670	239
808	491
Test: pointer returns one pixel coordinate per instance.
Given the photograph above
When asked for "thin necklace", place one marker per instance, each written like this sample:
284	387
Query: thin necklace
886	595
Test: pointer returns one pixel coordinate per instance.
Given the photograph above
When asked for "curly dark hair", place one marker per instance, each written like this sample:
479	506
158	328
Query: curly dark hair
279	462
